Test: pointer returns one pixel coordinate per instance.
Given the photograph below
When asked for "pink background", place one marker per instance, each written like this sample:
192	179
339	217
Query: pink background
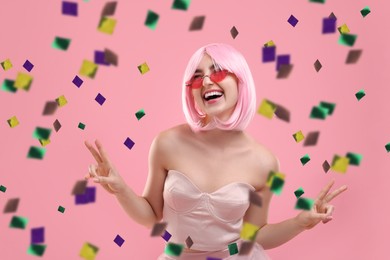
360	226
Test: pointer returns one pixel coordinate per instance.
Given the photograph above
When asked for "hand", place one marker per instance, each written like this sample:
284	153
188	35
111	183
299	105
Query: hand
321	211
104	172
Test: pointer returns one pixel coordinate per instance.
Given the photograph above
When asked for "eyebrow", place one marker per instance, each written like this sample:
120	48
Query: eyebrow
199	70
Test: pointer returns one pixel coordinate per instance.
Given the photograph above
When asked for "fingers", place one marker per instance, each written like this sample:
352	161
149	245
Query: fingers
94	152
102	152
325	190
335	193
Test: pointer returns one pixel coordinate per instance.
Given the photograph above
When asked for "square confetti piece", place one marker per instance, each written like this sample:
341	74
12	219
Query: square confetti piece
88	196
267	109
6	65
305	159
275	181
109	9
299	192
158	229
77	81
282	113
57	125
181	4
360	94
151	20
61	209
50	108
347	39
100	99
107	25
37	235
61	43
387	146
18	222
304	203
269	44
88	69
44	142
233	32
79	187
246	247
69	8
8	86
3	188
41	133
129	143
328	25
23	81
255	198
140	114
173	249
143	68
292	20
233	249
298	136
36	152
28	65
197	23
319	112
166	236
13	121
311	138
11	206
61	101
100	59
88	251
282	60
37	250
213	258
110	57
365	11
81	126
189	242
249	231
333	16
353	56
343	29
119	240
340	164
269	54
329	106
326	166
284	71
317	1
354	158
317	65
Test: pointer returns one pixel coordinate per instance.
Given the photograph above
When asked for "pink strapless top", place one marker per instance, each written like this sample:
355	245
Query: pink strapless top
212	220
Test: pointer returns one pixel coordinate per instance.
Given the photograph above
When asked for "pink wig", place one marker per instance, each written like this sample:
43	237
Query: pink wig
230	59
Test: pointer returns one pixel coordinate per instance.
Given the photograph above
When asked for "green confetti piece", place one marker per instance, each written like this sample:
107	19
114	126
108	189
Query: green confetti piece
299	192
319	112
61	43
305	159
3	188
140	114
387	146
304	203
36	152
8	86
354	158
233	249
18	222
151	19
329	106
317	1
181	4
42	133
359	95
61	209
36	249
81	126
173	249
365	11
347	39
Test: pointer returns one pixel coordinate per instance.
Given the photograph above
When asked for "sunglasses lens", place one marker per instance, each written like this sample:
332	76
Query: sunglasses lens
217	76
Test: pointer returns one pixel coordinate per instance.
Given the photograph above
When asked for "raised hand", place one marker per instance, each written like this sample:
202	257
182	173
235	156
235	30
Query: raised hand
104	172
322	210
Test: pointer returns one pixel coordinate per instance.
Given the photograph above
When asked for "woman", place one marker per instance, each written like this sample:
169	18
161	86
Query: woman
201	173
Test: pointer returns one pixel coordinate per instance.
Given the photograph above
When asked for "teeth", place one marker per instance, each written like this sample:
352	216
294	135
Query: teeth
213	93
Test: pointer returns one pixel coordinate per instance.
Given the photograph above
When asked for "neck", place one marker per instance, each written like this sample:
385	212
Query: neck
219	137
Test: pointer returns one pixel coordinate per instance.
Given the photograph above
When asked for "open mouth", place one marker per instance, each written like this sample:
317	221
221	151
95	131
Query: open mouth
212	95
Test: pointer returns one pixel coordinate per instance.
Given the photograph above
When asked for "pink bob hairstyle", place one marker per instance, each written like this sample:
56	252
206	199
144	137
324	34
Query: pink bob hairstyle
226	57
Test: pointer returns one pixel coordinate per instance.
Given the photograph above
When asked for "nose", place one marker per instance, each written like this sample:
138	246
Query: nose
207	80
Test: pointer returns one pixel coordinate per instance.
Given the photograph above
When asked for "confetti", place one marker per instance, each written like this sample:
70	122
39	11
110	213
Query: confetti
13	122
197	23
151	20
61	43
28	65
305	159
181	4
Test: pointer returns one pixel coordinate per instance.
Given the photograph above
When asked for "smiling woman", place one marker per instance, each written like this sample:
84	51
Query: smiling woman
203	175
